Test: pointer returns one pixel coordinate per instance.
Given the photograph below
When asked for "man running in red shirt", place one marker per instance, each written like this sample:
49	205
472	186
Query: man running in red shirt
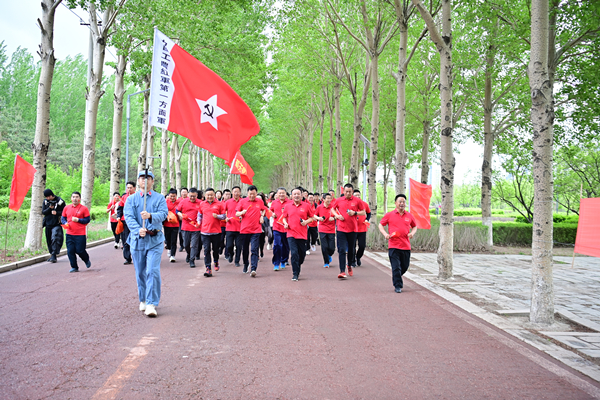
172	227
313	231
232	228
362	228
251	210
188	212
211	214
281	247
346	210
402	228
296	217
75	218
184	195
326	229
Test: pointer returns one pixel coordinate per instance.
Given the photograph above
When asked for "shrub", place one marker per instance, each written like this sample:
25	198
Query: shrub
520	234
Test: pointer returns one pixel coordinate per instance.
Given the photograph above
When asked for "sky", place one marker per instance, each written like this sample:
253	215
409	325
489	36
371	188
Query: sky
18	27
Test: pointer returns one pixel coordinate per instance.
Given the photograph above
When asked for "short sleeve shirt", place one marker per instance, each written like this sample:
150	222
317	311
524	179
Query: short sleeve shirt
251	220
361	226
399	227
278	208
79	211
172	207
342	205
233	225
326	226
190	210
294	215
211	224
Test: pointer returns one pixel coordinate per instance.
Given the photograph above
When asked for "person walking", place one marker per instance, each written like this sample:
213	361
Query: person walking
232	228
223	248
281	247
252	211
184	195
187	211
326	229
111	209
313	230
346	209
362	226
145	212
129	190
210	215
75	218
402	228
52	209
296	217
171	224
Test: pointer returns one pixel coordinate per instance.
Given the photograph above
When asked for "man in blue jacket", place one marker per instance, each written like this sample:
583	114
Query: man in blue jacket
146	241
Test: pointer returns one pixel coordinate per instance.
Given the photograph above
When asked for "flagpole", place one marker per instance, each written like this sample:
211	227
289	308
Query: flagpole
231	170
6	235
147	165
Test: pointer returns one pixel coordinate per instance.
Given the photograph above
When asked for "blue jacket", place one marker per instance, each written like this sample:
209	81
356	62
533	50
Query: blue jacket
156	205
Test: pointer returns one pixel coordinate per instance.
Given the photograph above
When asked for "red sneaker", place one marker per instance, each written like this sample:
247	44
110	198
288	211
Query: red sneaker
216	266
350	271
342	275
208	273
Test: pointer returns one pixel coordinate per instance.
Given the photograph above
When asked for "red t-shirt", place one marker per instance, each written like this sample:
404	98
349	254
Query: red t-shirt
122	204
361	226
294	215
251	220
313	224
76	228
191	210
326	226
399	226
233	225
223	222
172	206
113	211
278	207
211	224
342	205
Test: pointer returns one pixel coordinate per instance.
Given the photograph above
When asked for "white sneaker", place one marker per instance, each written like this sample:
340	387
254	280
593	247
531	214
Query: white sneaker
308	252
253	274
143	306
116	245
151	311
172	259
313	248
269	247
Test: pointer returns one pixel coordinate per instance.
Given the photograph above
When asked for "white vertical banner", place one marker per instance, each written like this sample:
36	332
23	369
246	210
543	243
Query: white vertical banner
161	82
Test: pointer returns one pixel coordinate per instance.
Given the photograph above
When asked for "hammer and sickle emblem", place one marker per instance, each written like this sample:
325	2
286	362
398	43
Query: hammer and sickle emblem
209	110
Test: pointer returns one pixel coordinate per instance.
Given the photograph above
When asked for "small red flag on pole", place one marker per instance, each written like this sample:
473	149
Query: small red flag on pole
240	167
22	180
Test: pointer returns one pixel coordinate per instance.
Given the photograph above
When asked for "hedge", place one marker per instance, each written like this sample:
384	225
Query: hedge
469	213
520	234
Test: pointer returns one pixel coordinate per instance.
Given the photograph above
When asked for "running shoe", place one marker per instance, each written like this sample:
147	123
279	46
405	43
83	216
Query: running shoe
282	266
208	273
268	247
295	278
330	259
245	269
350	272
216	266
358	262
342	275
253	274
326	266
275	267
308	252
313	247
172	259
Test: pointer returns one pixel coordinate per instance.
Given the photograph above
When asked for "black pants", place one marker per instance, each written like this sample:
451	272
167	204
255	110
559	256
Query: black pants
76	246
211	242
327	245
191	242
54	239
171	234
313	235
250	246
180	236
124	237
346	245
113	228
222	243
234	238
400	260
261	243
298	253
361	240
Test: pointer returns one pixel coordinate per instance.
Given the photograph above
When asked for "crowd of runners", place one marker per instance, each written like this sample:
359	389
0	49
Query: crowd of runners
236	226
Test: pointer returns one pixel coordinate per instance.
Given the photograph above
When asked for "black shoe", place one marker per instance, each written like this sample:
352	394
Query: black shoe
245	269
88	264
52	258
237	264
181	250
230	259
74	269
187	259
358	262
127	262
192	264
398	290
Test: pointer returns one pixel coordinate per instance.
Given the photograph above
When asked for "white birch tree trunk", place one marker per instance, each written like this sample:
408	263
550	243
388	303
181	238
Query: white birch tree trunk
373	149
320	183
542	120
338	135
172	157
488	147
400	77
144	142
41	141
190	169
115	151
425	151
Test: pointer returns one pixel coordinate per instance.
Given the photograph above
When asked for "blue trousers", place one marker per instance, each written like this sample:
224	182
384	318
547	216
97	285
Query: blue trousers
147	273
251	241
298	248
281	248
346	244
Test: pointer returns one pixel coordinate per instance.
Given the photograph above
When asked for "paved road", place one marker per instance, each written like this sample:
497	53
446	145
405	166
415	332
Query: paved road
231	336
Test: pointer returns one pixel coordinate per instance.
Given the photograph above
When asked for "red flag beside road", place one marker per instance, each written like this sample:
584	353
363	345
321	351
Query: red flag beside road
191	100
22	180
242	168
588	227
420	196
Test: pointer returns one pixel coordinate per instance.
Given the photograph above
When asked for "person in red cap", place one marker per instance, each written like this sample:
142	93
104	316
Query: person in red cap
402	228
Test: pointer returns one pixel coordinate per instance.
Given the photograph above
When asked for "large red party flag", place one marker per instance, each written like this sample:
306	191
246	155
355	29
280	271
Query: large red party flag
242	168
187	98
587	241
420	196
22	180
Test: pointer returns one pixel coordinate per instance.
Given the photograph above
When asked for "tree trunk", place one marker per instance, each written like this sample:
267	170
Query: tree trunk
338	135
331	146
172	159
195	169
179	154
211	172
164	162
373	149
94	94
190	170
41	141
542	120
309	155
425	150
400	158
486	168
320	183
115	151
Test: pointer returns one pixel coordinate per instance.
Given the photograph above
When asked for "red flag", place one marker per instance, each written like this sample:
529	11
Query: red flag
22	180
588	227
242	168
420	196
191	100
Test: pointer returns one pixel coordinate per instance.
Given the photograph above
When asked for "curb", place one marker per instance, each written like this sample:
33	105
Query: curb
44	257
